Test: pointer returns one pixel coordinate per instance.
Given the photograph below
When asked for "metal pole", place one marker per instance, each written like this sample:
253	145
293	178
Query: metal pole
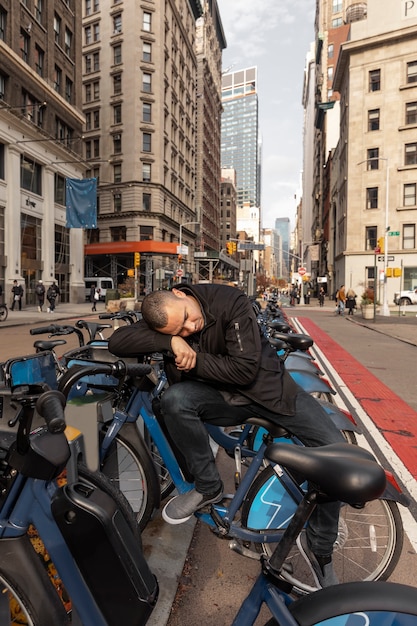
385	308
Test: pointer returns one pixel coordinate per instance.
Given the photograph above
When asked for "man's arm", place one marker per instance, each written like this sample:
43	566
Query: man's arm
137	339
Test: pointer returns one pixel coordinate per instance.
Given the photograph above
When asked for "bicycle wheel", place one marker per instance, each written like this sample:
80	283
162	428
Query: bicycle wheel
359	603
368	545
4	312
131	470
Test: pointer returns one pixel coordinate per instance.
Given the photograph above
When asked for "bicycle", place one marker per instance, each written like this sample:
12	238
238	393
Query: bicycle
4	312
85	525
340	472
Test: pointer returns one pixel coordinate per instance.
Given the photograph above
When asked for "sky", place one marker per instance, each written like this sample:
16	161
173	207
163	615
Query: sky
274	36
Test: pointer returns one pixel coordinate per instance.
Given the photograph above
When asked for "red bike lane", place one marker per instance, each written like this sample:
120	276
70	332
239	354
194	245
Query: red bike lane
381	404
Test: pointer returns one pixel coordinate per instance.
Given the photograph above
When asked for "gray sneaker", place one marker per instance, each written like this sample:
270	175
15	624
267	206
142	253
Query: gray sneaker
321	567
180	508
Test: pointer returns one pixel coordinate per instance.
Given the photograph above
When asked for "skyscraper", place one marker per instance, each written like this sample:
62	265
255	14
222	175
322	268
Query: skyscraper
282	225
240	133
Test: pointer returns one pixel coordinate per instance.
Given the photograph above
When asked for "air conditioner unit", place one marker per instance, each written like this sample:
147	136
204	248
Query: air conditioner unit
117	137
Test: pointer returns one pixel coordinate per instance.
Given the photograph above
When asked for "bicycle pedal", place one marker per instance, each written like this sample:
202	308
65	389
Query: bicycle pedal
238	547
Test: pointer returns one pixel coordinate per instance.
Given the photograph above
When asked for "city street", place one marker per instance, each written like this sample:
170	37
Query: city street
197	569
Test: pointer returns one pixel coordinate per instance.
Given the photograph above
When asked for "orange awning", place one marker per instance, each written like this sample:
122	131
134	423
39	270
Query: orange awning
122	247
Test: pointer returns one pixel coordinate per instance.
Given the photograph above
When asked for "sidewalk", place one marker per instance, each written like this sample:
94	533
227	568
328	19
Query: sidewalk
31	315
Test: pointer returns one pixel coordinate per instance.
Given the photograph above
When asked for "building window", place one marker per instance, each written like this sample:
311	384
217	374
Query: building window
117	84
373	119
117	24
87	9
117	114
409	196
118	233
145	233
147	52
96	62
410	157
146	82
88	36
63	132
59	190
68	41
147	142
330	51
96	32
2	161
117	173
372	197
370	242
38	10
57	28
374	80
147	112
412	72
30	175
117	143
117	55
147	22
338	21
409	236
39	60
337	6
96	90
24	46
146	201
117	202
411	113
330	73
57	78
87	88
373	159
146	172
68	89
2	86
3	20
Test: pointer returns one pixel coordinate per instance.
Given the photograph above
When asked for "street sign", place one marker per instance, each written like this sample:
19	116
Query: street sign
389	258
302	271
180	272
394	233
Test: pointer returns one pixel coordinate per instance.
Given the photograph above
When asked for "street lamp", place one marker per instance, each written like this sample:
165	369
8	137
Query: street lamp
385	307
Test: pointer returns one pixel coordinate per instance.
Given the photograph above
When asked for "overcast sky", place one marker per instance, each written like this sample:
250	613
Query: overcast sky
275	36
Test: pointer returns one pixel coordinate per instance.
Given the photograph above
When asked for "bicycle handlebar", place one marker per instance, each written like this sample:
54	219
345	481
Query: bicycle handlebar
56	329
119	370
50	405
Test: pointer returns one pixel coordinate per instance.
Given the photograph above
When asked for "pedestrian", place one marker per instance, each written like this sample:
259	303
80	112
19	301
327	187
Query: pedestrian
51	295
40	292
221	368
351	301
17	295
94	296
341	300
321	296
293	295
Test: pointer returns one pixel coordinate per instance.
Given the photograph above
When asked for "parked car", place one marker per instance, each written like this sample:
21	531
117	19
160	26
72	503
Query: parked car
406	297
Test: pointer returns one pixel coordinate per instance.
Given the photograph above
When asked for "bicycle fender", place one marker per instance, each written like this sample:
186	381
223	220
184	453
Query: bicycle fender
311	382
393	492
339	419
22	565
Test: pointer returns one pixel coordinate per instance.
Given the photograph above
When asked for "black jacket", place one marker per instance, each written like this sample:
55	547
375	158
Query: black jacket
232	353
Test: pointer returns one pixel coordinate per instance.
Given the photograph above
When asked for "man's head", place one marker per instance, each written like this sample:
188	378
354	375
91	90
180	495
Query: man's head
172	313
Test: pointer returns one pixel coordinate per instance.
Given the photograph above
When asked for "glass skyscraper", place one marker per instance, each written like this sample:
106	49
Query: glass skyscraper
240	133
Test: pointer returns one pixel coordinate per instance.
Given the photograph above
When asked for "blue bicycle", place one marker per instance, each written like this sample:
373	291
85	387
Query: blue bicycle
90	570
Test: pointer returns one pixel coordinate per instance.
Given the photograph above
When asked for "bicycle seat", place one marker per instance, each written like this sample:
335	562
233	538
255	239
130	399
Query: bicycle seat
341	471
44	344
297	341
280	326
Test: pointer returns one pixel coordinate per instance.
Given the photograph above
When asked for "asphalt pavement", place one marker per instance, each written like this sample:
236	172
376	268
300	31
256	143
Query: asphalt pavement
200	578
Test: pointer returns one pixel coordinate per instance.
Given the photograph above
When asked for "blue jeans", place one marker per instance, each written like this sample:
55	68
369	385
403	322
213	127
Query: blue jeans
185	406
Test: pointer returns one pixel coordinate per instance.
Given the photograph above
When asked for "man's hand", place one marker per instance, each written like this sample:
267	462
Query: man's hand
185	356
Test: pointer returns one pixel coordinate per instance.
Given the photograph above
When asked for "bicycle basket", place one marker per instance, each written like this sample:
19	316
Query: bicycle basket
32	369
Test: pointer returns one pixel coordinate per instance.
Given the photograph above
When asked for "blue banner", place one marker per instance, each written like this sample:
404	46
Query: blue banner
81	202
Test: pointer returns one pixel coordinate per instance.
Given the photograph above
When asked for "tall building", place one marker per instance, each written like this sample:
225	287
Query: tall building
140	102
210	41
283	227
41	125
240	146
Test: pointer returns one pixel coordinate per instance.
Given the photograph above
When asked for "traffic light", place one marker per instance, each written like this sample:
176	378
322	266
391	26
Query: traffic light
234	246
136	261
381	244
388	272
397	271
229	247
179	259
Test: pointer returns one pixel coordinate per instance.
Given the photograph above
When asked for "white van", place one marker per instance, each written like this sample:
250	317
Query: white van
101	282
